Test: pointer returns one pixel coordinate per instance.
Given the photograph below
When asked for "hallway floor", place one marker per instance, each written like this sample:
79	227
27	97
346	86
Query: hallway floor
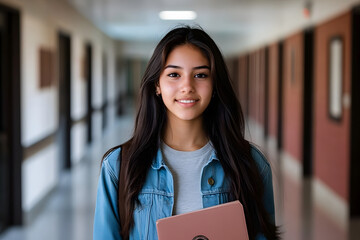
69	210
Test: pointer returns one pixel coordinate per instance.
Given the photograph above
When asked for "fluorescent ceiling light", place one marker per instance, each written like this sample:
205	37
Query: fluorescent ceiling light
177	15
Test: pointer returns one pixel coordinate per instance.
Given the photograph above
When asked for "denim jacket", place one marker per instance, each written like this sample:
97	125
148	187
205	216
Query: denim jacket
157	195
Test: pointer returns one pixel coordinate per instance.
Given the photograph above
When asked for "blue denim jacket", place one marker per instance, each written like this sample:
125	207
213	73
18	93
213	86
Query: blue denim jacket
157	195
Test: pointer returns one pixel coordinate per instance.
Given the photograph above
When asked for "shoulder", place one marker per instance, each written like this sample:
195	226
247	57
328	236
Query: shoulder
260	159
111	162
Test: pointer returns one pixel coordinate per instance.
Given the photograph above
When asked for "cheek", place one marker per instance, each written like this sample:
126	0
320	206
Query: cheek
167	89
207	90
167	92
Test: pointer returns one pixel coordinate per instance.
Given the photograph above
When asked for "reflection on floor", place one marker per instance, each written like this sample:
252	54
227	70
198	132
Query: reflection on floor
68	213
297	214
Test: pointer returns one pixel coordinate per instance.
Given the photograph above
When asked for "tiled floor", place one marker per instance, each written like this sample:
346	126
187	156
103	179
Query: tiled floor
68	214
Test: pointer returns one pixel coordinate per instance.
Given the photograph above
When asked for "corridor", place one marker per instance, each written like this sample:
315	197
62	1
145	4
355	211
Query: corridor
70	74
68	212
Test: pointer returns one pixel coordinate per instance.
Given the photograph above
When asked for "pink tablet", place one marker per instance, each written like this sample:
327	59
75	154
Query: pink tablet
224	221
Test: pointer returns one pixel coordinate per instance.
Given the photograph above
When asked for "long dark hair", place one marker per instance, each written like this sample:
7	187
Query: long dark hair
224	124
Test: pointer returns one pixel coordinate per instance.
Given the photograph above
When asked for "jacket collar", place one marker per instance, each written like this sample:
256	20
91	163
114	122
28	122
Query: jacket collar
158	161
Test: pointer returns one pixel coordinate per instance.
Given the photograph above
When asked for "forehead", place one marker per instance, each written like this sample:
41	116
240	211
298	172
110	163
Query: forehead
186	54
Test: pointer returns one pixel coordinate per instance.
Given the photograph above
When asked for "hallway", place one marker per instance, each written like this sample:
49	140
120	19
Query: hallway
69	210
67	68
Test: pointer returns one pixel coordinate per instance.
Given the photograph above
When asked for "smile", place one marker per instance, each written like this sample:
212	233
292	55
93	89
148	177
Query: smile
186	101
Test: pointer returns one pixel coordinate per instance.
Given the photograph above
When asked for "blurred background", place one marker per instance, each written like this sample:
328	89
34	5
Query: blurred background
70	71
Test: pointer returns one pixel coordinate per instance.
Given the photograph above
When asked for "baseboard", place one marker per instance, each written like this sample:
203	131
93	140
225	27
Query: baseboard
271	147
291	167
35	211
331	203
256	135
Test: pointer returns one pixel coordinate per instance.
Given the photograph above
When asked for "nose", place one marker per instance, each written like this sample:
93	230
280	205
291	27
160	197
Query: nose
187	84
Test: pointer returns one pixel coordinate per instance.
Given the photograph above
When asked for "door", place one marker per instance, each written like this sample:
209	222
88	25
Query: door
88	53
266	91
332	85
355	116
104	93
10	142
280	98
64	133
4	177
308	102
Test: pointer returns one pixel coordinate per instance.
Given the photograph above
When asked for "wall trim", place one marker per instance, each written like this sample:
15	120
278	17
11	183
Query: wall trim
35	211
82	119
100	108
39	145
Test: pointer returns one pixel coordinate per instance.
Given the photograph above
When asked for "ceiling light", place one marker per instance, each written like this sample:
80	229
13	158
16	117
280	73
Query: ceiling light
177	15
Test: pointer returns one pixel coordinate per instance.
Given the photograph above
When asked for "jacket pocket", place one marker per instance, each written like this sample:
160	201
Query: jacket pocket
142	217
210	200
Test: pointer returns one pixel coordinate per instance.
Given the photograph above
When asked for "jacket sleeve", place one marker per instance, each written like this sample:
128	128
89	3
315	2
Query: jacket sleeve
265	172
268	197
106	220
269	194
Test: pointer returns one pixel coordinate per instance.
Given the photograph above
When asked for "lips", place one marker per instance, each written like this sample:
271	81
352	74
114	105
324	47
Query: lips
186	101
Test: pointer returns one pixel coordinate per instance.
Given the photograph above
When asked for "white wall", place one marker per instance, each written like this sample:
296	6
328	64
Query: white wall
111	88
78	83
39	175
39	107
40	23
78	99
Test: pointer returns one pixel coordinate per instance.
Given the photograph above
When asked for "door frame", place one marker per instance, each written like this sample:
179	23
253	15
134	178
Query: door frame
280	96
308	102
105	81
13	161
354	191
65	122
90	109
266	98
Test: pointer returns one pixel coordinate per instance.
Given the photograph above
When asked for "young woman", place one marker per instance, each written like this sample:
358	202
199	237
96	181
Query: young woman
188	149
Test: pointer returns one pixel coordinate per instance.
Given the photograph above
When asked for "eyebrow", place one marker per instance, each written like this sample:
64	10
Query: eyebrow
178	67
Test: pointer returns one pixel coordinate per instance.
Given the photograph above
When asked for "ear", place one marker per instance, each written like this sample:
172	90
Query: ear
158	90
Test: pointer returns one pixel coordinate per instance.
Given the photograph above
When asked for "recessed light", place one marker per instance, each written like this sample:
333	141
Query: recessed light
177	15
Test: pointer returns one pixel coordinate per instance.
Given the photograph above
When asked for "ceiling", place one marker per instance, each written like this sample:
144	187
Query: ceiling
234	24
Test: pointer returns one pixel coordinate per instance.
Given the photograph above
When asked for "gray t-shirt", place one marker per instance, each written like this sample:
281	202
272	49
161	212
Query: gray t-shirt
186	171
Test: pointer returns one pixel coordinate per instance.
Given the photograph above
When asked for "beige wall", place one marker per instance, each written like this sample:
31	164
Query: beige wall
41	22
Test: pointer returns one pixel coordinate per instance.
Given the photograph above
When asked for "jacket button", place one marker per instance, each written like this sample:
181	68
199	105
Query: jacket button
211	181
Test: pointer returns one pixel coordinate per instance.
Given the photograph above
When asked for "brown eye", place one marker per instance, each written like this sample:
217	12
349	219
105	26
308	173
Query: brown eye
201	75
173	75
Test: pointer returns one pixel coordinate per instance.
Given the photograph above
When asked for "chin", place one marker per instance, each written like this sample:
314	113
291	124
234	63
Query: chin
188	118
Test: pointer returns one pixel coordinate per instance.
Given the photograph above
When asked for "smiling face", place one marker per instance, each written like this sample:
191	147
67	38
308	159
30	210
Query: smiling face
185	83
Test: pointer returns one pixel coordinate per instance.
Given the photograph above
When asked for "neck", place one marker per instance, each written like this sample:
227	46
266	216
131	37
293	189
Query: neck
185	135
